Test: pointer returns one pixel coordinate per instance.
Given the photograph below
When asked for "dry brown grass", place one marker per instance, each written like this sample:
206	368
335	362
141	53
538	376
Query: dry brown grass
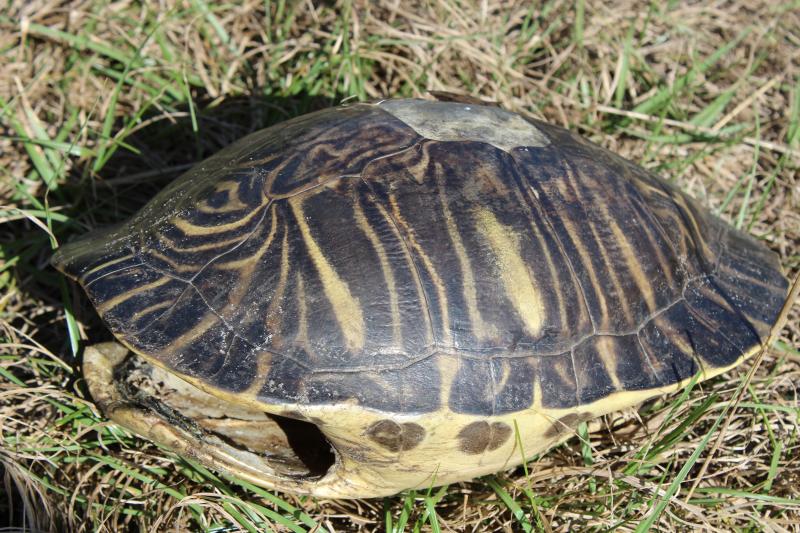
645	81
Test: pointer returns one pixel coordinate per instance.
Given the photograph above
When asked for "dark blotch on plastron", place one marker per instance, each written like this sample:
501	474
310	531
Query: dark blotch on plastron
396	437
500	434
567	423
479	437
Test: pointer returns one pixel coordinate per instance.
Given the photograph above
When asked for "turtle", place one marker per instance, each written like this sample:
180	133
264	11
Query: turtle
406	293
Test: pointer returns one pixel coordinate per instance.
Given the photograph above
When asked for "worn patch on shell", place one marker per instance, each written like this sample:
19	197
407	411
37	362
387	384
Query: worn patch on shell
453	121
396	437
481	436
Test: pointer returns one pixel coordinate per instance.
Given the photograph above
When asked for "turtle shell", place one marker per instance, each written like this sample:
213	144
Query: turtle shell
376	297
411	256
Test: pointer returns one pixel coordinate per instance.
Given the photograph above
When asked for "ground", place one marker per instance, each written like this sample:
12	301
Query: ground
102	103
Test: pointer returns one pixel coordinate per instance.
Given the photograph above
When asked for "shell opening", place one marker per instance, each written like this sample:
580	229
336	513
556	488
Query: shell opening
244	441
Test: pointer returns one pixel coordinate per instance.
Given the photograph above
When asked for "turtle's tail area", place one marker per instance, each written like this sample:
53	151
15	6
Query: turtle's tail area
95	255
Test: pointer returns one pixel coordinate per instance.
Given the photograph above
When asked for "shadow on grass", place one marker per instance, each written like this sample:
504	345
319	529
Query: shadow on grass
146	157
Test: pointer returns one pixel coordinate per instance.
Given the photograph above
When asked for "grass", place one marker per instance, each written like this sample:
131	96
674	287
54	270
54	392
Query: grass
102	103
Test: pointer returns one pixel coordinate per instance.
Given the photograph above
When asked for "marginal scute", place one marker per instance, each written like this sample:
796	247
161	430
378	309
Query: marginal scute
482	436
396	437
557	379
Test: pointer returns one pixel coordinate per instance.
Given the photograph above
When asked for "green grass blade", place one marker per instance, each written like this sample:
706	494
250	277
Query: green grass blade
750	181
619	91
793	131
405	512
219	29
512	505
664	96
712	111
38	157
577	32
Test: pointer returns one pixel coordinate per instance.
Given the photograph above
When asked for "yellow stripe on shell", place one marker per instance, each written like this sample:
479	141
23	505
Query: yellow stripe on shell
272	318
104	265
386	268
346	307
605	349
441	291
412	269
193	230
149	309
248	264
233	202
105	306
480	328
599	289
518	281
632	262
